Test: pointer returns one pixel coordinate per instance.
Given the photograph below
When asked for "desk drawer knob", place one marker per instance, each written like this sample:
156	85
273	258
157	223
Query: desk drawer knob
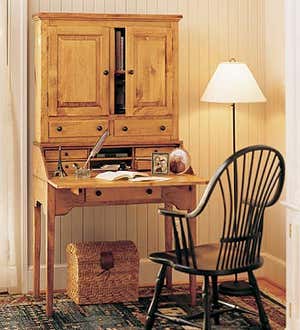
59	128
149	191
67	166
162	128
66	154
99	128
131	71
105	72
125	128
98	192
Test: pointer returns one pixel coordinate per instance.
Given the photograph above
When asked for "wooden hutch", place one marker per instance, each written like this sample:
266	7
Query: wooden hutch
99	71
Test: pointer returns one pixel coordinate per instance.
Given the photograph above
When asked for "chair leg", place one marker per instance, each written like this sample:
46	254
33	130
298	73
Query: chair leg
153	306
215	298
206	304
262	314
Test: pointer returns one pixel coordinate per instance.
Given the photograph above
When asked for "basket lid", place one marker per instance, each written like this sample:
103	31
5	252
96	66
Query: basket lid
90	251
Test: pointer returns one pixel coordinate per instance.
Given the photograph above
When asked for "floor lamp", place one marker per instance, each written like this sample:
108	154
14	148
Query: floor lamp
233	83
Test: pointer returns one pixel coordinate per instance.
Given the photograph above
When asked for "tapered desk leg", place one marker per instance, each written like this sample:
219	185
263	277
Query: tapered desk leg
193	282
36	248
50	249
168	243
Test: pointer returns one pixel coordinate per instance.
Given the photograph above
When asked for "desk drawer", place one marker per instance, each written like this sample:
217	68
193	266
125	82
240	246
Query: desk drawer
143	127
143	165
123	195
76	128
147	152
66	154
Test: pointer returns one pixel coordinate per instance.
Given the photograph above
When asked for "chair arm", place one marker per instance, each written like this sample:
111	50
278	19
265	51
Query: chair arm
171	213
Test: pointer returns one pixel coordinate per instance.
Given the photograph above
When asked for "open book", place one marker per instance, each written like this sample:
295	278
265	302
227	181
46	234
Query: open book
132	176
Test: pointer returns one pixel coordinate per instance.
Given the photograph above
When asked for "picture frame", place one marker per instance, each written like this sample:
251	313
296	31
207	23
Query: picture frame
160	163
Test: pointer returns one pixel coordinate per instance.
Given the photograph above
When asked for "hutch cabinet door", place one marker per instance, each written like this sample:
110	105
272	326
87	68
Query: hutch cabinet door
78	71
149	71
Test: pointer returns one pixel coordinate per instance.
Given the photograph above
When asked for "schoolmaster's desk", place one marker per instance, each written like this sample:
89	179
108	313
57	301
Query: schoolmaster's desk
82	88
59	195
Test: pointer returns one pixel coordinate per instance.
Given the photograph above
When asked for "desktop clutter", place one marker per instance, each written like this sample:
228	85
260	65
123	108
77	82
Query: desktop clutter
178	161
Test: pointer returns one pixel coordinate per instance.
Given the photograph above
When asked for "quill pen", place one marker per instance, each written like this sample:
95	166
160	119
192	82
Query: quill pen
97	147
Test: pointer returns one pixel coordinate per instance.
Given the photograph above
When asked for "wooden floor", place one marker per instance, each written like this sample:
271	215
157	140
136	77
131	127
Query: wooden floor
273	289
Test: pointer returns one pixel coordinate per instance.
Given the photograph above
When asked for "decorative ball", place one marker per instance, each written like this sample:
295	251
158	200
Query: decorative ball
180	161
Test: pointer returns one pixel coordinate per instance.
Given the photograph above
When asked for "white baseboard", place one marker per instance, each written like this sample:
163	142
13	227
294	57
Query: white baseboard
147	276
273	270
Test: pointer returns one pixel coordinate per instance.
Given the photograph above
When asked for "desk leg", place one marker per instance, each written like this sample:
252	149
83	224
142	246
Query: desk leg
50	249
168	243
36	248
193	282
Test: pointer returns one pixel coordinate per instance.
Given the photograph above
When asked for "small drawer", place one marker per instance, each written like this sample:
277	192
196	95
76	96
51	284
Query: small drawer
142	127
76	128
66	154
147	152
143	165
68	166
124	195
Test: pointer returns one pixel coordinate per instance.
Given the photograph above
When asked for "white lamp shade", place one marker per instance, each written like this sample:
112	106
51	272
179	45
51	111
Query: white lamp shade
233	82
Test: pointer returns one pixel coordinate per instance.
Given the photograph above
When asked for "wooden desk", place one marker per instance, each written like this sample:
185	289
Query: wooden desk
60	195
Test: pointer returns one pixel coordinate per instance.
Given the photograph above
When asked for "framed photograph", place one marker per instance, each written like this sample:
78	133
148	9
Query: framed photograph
160	163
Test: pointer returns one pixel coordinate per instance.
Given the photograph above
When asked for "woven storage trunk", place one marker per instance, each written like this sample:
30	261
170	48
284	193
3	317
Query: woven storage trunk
102	272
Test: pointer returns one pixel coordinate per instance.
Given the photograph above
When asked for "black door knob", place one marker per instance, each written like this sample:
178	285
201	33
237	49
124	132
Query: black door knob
59	128
131	71
99	128
105	72
162	128
125	128
149	191
98	192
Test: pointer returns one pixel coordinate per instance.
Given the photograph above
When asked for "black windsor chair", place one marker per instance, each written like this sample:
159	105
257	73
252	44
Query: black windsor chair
247	182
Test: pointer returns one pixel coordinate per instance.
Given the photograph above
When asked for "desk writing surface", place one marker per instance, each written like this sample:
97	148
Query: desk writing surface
71	182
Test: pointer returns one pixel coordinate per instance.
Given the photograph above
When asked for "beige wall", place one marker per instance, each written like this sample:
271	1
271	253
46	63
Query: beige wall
275	131
211	31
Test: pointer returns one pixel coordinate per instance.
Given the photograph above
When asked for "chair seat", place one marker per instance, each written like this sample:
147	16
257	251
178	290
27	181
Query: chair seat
206	257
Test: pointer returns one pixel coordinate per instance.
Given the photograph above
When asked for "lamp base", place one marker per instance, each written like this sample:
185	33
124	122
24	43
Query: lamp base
235	288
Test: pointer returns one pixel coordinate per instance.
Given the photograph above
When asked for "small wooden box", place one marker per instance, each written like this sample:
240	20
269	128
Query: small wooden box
102	272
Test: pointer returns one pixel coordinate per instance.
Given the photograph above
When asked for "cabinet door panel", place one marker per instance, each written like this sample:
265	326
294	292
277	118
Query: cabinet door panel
149	85
77	60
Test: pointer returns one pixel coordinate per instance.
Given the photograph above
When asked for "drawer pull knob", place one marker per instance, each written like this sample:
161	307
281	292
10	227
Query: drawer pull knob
59	128
131	71
125	128
66	154
162	128
67	166
98	192
99	128
105	72
149	191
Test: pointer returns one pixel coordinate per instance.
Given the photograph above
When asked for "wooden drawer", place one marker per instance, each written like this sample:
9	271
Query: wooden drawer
143	165
66	154
68	166
76	128
142	127
124	195
147	152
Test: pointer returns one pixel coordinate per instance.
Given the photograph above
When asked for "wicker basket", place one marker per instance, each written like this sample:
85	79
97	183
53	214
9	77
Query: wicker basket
102	272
